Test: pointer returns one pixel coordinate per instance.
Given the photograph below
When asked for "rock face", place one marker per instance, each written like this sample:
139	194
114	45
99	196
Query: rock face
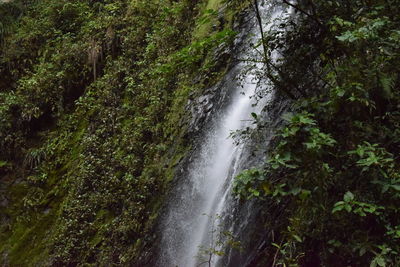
200	110
201	107
209	112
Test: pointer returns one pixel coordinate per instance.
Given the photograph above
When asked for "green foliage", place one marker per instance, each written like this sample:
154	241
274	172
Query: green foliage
9	14
333	171
90	99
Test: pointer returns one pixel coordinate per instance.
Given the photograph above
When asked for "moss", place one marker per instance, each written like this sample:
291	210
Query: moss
103	218
88	163
30	243
209	20
26	240
215	19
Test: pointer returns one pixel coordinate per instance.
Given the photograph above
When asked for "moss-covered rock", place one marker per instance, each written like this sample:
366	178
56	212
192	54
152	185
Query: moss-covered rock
94	123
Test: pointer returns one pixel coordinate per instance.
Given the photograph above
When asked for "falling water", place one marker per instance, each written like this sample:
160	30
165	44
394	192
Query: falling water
205	190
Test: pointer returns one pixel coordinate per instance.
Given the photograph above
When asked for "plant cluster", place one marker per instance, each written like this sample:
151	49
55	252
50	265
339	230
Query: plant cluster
91	96
333	170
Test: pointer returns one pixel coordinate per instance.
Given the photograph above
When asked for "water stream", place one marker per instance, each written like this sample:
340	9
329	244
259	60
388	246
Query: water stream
201	201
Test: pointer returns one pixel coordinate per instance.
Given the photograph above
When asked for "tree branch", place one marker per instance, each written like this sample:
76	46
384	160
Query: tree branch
259	20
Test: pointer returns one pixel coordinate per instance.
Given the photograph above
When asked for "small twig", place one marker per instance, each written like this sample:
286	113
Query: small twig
276	254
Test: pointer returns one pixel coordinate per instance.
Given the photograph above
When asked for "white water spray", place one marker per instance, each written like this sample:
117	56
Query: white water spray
206	189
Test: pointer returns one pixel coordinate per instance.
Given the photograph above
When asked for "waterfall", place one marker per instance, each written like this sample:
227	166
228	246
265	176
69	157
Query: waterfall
202	199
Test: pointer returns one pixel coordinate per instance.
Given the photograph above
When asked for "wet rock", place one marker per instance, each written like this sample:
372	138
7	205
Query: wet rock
204	99
209	107
200	109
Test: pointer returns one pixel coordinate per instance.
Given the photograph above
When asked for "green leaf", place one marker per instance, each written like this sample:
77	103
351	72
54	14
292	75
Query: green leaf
276	245
347	207
340	92
362	251
337	208
339	203
380	261
298	239
306	120
395	187
305	194
348	196
347	37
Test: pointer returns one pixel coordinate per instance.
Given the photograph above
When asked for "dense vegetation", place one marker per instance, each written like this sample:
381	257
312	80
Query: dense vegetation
92	97
333	175
93	123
